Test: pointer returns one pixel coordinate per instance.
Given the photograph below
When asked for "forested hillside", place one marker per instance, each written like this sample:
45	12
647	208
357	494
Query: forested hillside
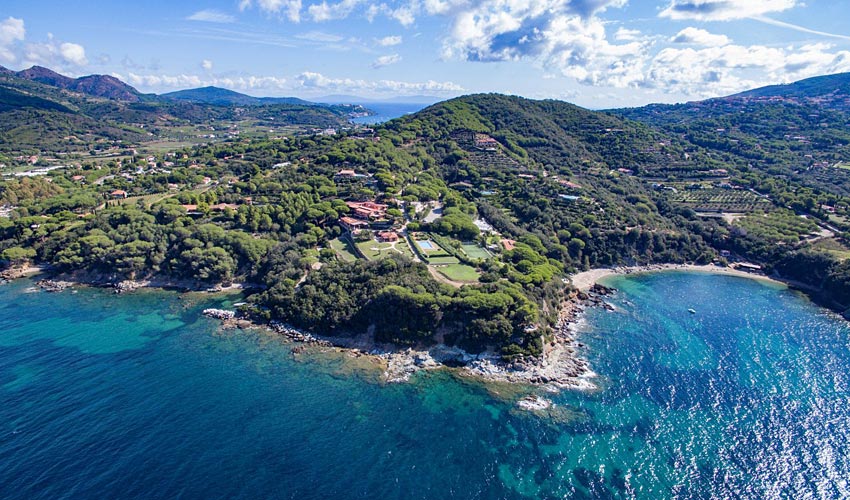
461	223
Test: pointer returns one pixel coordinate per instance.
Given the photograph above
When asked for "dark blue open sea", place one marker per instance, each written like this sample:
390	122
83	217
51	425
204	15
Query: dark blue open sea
138	396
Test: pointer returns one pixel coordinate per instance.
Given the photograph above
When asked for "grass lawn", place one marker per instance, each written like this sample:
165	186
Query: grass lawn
459	272
475	252
375	250
443	260
343	250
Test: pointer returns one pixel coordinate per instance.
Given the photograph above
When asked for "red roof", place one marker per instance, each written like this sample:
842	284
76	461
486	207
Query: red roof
348	221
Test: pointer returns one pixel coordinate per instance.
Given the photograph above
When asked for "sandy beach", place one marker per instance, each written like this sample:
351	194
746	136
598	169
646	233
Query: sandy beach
584	280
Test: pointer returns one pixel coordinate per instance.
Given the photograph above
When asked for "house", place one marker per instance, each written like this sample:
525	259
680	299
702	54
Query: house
349	175
78	178
119	194
461	186
485	142
221	207
388	236
367	209
352	224
508	244
571	185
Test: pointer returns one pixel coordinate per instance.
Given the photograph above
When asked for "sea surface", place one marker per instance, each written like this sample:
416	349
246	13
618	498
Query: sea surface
386	111
139	396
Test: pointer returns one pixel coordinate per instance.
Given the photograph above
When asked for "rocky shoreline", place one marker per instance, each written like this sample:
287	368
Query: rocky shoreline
560	366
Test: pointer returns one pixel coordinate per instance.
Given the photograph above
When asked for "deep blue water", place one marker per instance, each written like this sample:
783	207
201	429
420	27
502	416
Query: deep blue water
138	396
386	111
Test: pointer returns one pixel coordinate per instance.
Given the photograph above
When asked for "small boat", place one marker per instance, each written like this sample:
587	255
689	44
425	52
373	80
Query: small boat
692	311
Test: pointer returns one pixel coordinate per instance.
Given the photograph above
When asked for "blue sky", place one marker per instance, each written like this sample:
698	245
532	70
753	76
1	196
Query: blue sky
596	53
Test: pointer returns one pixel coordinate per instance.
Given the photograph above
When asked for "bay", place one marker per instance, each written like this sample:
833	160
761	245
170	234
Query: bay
139	396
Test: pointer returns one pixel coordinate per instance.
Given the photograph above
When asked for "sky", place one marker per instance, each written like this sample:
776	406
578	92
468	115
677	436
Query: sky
595	53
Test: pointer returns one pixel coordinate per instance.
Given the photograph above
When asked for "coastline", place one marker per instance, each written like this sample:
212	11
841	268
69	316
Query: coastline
583	281
559	367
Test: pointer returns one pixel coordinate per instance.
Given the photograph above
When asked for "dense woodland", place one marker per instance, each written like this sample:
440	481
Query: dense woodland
563	189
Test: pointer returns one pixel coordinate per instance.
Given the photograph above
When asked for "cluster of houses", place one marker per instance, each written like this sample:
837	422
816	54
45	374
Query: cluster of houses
369	215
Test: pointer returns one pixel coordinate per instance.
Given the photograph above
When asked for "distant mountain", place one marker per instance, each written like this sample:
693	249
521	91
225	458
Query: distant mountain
223	97
352	99
41	110
104	86
811	88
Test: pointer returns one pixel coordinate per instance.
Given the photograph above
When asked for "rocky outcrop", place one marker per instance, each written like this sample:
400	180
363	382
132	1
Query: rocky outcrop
53	285
221	314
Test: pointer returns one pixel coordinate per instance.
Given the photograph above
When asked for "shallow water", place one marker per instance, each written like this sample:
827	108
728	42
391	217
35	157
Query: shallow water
105	396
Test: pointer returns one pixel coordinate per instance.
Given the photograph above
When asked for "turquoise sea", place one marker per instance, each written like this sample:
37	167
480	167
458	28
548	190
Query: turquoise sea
386	111
138	396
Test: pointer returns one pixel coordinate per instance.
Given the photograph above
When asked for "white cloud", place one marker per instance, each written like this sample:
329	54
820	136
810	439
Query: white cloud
698	36
212	16
290	8
714	71
724	10
73	53
315	82
389	41
207	64
11	31
565	37
328	12
160	82
627	35
386	61
320	36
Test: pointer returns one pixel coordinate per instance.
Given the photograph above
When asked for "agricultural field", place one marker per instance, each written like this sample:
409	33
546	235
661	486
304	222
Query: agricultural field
780	225
832	247
721	200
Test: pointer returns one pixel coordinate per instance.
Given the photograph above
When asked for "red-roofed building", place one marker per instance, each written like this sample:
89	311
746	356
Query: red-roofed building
367	209
119	194
352	224
388	236
508	244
